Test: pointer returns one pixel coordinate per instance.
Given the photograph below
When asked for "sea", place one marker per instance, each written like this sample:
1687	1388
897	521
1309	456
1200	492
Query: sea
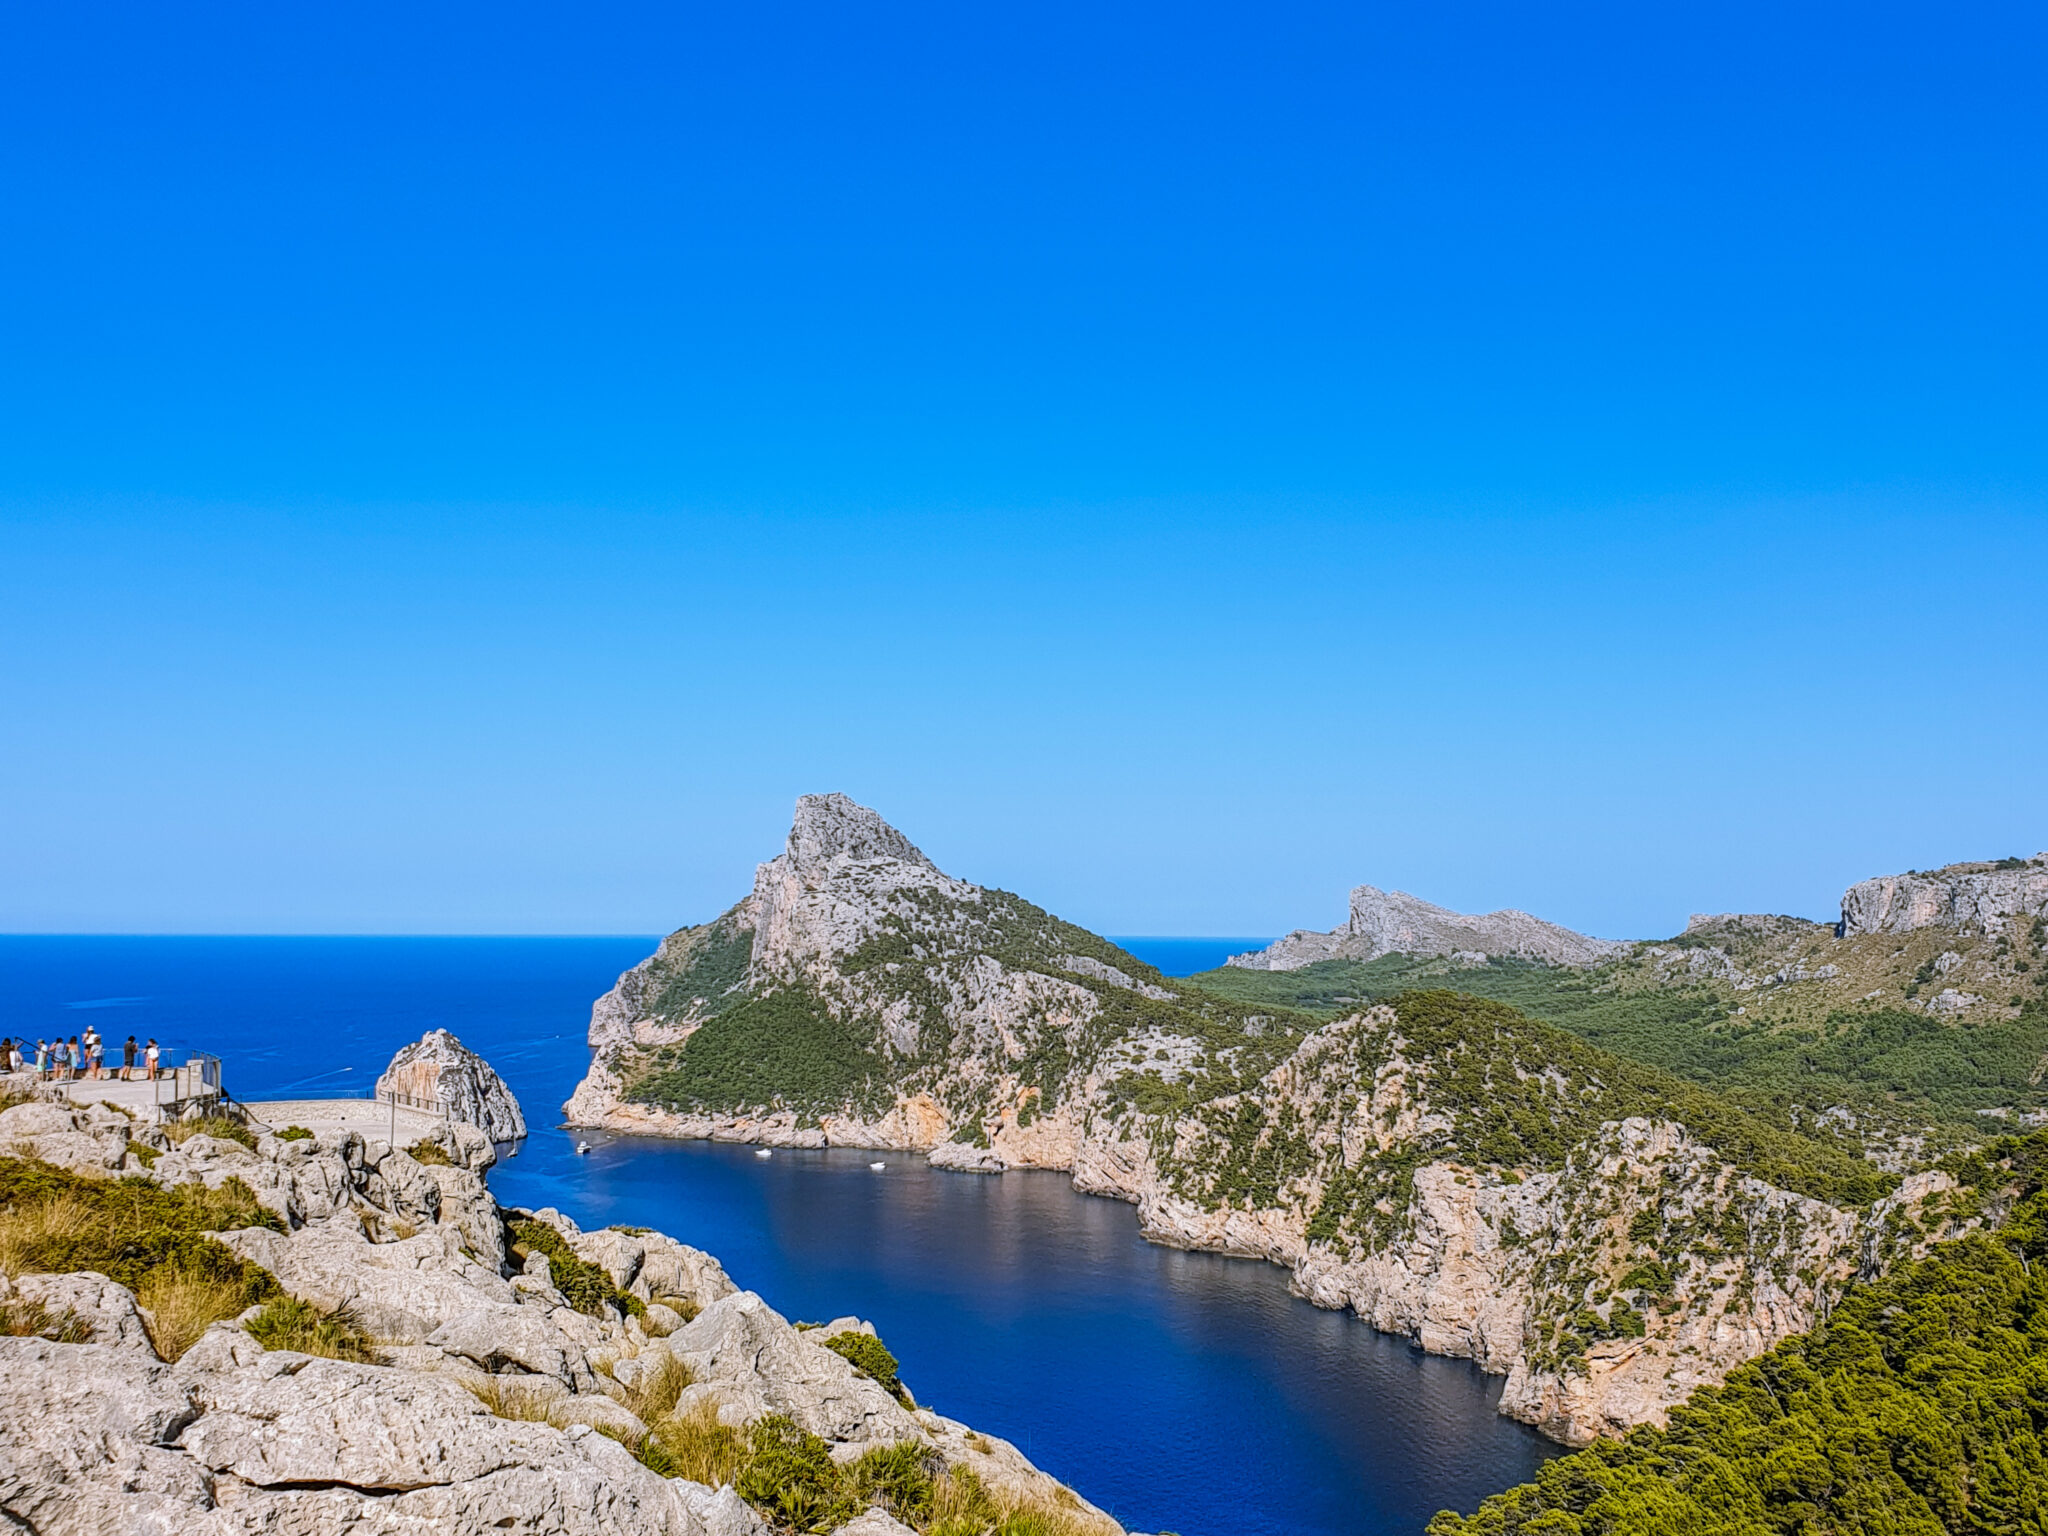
1183	1392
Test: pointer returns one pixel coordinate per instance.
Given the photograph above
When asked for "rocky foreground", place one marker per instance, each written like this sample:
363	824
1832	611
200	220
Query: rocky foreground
487	1397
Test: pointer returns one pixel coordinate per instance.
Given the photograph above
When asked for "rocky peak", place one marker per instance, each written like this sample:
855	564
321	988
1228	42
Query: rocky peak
439	1070
829	829
1972	898
1393	922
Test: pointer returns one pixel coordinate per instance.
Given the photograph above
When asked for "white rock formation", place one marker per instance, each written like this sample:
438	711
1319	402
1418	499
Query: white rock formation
1971	898
438	1069
1393	922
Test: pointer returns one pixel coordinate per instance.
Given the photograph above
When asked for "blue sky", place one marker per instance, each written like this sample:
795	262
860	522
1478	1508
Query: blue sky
467	470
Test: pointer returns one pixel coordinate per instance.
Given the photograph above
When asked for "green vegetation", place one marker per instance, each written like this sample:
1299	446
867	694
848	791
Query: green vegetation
1920	1408
293	1133
55	1222
791	1480
783	1049
289	1323
1512	1092
867	1354
585	1286
430	1153
1893	1068
152	1240
699	969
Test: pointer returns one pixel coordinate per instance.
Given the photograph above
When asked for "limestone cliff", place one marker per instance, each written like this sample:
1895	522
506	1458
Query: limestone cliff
1984	898
1606	1236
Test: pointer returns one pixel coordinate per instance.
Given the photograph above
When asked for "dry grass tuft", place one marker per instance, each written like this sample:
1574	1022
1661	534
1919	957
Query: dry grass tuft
962	1505
179	1306
695	1445
653	1395
28	1231
510	1398
32	1320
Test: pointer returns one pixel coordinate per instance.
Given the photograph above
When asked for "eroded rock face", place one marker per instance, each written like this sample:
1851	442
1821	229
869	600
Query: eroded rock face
1971	898
1393	922
438	1069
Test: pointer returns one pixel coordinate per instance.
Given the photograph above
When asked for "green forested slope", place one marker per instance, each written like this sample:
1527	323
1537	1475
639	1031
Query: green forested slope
1893	1068
1919	1409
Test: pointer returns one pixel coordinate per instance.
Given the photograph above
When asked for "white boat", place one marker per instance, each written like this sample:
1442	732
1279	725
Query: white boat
764	1151
878	1167
582	1147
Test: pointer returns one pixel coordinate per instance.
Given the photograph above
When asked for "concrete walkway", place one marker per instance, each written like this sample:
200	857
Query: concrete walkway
136	1098
368	1117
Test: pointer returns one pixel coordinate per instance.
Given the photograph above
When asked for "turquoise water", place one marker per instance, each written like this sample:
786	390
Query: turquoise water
1182	1391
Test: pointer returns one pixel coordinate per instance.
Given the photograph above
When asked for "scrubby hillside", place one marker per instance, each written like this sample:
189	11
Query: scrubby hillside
1606	1233
1920	1406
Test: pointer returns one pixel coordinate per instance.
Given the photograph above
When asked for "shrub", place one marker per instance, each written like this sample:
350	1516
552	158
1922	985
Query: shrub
289	1323
431	1153
897	1478
866	1354
585	1286
293	1133
791	1478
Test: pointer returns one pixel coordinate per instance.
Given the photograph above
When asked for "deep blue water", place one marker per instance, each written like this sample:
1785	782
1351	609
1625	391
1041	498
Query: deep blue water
1181	1391
1184	957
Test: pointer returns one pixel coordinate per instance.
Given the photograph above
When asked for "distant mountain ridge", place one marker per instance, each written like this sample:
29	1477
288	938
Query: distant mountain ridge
1393	922
1606	1234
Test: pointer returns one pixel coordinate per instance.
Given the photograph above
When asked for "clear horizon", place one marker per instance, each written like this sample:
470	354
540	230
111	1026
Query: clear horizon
468	472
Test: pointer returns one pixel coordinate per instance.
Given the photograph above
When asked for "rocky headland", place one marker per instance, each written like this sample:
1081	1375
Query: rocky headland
214	1327
1605	1235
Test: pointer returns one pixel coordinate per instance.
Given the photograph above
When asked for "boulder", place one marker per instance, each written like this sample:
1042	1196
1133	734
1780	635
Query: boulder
874	1523
400	1292
105	1307
744	1356
438	1069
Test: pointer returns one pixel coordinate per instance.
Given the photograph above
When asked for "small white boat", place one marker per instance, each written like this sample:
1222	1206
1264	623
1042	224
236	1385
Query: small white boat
582	1148
764	1151
878	1167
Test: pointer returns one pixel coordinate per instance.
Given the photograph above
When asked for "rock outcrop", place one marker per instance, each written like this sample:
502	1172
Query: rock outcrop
1395	923
437	1071
98	1434
1978	898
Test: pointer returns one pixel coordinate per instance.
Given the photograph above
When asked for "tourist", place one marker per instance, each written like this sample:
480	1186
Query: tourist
95	1054
128	1060
14	1055
42	1059
151	1055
